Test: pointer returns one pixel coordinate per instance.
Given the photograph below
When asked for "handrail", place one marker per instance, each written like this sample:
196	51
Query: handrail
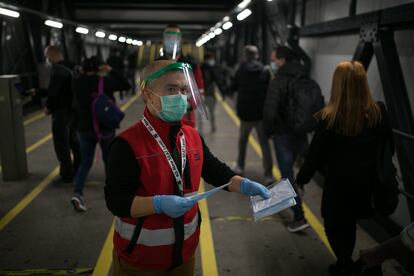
403	134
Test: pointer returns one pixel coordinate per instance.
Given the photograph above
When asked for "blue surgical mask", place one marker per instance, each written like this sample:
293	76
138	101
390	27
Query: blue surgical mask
173	107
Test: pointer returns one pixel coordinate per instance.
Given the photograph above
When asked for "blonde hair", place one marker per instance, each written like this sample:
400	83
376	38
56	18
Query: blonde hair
351	105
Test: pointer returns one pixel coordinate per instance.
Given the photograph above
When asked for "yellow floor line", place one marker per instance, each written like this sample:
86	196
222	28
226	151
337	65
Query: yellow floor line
28	198
103	265
208	255
34	118
45	182
312	219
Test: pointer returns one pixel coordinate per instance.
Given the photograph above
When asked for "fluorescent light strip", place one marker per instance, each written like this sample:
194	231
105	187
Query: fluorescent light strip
227	25
140	43
10	13
122	39
218	31
100	34
112	37
202	40
243	4
244	14
82	30
129	41
226	18
54	24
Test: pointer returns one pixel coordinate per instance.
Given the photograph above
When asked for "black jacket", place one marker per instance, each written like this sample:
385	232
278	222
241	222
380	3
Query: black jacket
59	92
211	77
85	86
276	97
250	82
349	167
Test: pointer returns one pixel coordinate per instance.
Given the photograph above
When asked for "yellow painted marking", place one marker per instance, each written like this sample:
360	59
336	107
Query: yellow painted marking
28	199
103	265
152	53
312	219
39	143
128	104
45	182
208	255
34	118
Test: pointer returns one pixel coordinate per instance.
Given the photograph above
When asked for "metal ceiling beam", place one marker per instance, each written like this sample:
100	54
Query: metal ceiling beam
399	17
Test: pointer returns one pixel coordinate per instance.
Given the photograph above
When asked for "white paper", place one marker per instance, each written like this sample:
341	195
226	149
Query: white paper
282	196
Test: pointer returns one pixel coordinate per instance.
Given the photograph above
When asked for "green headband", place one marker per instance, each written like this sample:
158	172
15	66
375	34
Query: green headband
170	67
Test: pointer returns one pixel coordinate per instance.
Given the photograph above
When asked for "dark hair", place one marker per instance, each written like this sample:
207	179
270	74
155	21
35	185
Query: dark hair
91	64
286	53
250	52
172	25
208	55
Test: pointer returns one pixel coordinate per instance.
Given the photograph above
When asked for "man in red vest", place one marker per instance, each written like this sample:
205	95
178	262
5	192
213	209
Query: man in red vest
152	167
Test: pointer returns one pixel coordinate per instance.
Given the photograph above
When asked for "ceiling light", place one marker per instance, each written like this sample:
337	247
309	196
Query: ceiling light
227	25
112	37
82	30
211	35
121	39
129	41
226	18
218	31
140	43
243	4
100	34
9	13
53	24
244	14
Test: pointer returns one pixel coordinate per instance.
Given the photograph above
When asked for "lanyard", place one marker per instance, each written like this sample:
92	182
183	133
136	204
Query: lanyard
173	166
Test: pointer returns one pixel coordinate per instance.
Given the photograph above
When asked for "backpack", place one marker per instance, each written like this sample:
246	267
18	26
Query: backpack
385	190
304	99
105	113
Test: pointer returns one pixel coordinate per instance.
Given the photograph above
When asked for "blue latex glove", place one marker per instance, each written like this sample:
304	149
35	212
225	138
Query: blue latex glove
171	205
251	188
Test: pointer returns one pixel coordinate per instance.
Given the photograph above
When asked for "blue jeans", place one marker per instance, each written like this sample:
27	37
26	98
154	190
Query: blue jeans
87	143
288	146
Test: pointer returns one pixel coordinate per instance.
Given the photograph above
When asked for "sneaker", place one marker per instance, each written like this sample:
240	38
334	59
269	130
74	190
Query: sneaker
78	203
297	225
238	170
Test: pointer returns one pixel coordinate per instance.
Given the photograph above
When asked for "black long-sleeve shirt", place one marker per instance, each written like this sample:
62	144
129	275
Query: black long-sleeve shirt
59	92
123	171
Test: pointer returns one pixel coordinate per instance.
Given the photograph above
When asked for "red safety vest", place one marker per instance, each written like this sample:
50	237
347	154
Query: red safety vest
154	247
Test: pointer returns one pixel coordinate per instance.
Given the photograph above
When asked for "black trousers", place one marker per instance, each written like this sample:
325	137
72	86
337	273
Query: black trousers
341	234
65	140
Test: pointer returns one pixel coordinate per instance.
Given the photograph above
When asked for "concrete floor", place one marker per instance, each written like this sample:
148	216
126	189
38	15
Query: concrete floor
49	234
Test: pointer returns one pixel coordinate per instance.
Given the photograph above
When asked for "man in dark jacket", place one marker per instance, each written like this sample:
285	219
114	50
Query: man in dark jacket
59	105
250	82
288	144
211	78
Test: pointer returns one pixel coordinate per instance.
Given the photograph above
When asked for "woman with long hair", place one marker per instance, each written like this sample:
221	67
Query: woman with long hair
344	150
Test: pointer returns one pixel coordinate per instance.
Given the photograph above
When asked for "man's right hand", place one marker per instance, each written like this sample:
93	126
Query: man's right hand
171	205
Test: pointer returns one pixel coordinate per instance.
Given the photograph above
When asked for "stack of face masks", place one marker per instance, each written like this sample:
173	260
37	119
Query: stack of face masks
282	197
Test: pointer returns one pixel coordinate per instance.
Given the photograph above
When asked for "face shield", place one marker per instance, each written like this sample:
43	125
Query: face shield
172	44
174	80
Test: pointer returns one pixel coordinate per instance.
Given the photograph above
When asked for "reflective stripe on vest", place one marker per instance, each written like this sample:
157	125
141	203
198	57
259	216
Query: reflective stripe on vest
155	237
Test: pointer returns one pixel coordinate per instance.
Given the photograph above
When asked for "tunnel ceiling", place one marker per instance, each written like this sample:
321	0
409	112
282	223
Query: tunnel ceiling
145	20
